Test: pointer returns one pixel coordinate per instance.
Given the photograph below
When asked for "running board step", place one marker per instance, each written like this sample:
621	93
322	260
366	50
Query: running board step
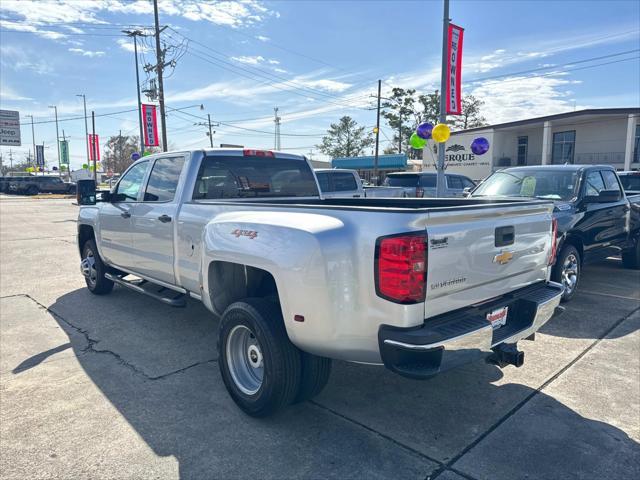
163	294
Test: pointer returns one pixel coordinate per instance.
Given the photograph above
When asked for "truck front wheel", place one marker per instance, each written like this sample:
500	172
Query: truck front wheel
94	269
259	365
567	270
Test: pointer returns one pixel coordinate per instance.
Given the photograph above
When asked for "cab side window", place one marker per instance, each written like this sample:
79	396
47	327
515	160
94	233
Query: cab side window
163	179
130	183
594	184
454	183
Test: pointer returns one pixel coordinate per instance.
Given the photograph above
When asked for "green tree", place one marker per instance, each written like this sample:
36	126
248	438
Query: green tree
471	116
345	139
117	152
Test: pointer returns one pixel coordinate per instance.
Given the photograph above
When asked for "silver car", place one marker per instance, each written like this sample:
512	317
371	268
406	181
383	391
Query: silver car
423	184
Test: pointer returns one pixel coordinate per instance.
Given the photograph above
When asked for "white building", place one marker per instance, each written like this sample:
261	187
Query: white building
595	136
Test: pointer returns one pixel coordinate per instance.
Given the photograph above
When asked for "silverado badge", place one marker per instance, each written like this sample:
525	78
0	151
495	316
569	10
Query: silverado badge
503	257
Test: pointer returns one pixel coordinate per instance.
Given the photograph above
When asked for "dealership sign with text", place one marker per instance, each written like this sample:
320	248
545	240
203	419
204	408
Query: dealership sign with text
454	70
150	122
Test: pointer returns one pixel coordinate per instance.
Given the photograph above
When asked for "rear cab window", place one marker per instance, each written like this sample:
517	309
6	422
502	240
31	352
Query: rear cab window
222	177
454	182
401	181
343	182
428	181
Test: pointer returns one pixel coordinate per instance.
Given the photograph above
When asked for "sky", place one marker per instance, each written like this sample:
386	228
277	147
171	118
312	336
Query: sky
314	60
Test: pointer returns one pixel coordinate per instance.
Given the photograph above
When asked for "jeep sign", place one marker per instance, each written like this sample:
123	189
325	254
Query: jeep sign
10	128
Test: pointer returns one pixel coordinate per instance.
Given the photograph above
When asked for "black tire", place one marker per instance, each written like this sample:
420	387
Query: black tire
314	377
568	260
280	359
101	285
631	257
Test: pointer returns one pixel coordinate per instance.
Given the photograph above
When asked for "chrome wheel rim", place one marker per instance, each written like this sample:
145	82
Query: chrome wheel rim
244	359
570	273
88	268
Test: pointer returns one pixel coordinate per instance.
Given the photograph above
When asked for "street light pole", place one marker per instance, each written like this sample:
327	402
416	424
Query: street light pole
135	34
86	127
55	109
33	138
443	105
375	158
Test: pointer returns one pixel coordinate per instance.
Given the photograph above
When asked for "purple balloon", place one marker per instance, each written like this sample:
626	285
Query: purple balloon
424	130
480	146
135	156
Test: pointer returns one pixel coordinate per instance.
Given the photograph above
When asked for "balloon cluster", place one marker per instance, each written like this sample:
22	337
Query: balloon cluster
440	133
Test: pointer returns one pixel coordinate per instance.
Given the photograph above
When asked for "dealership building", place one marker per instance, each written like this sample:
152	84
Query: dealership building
595	136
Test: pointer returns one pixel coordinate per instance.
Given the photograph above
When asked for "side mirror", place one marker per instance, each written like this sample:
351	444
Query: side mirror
466	192
86	192
605	196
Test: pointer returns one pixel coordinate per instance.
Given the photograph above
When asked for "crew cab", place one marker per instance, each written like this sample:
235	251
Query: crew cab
345	183
419	285
596	218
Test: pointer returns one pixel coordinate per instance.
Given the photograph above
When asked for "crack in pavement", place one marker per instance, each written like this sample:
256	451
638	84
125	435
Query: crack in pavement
92	342
514	410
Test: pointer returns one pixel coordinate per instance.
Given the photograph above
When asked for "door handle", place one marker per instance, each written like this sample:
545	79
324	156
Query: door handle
164	218
125	215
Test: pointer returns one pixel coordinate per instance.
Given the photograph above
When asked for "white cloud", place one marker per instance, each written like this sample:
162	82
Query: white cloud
325	84
87	53
249	60
127	44
262	38
19	59
274	62
280	70
9	94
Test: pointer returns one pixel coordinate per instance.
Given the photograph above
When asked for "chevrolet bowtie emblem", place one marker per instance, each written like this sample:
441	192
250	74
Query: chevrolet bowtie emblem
503	258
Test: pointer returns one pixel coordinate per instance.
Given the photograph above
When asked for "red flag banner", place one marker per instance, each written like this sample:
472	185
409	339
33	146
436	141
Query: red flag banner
94	147
149	120
454	70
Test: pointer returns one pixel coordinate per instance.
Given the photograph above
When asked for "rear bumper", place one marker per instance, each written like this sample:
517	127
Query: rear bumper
465	336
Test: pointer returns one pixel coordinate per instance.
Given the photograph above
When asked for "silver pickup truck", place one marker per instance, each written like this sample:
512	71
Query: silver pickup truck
419	285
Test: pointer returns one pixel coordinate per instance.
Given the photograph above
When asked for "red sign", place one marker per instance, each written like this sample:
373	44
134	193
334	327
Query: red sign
94	147
454	70
150	123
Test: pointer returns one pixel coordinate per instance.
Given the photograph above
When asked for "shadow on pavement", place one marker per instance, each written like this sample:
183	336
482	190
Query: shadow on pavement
39	358
189	415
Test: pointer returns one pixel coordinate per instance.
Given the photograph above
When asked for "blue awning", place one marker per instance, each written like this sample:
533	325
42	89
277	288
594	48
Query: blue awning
398	161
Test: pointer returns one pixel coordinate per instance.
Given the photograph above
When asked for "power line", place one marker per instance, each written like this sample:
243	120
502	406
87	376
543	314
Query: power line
68	119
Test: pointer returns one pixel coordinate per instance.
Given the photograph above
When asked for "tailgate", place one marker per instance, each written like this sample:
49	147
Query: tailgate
475	255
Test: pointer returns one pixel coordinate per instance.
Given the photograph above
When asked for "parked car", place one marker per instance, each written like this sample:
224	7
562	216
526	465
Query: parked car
596	219
345	183
423	184
630	181
420	286
32	185
4	184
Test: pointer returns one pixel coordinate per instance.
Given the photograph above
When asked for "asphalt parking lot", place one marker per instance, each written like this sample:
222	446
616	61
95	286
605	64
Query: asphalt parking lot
122	386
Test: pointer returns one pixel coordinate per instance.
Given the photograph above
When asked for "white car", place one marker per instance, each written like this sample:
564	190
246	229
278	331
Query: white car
345	183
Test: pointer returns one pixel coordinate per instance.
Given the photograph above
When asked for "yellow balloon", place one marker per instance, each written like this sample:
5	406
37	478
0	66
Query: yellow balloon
440	133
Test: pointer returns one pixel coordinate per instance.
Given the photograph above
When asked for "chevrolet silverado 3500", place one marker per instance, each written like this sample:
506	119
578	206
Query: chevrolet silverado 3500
419	285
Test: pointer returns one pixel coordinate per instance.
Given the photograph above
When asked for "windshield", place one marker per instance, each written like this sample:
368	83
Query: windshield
549	184
401	181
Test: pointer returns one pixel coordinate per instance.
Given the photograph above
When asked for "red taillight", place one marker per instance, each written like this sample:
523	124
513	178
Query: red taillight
401	267
419	192
258	153
554	241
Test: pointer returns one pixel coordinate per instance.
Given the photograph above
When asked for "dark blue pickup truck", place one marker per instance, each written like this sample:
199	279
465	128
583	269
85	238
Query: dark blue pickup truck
595	217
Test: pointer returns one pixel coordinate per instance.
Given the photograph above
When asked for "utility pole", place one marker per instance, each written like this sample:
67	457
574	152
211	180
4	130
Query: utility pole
443	103
159	68
86	128
93	146
400	130
375	158
135	34
208	124
55	109
33	139
277	129
11	159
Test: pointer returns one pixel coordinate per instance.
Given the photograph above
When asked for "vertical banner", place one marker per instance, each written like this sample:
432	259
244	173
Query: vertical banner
64	152
94	141
454	70
150	125
40	155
